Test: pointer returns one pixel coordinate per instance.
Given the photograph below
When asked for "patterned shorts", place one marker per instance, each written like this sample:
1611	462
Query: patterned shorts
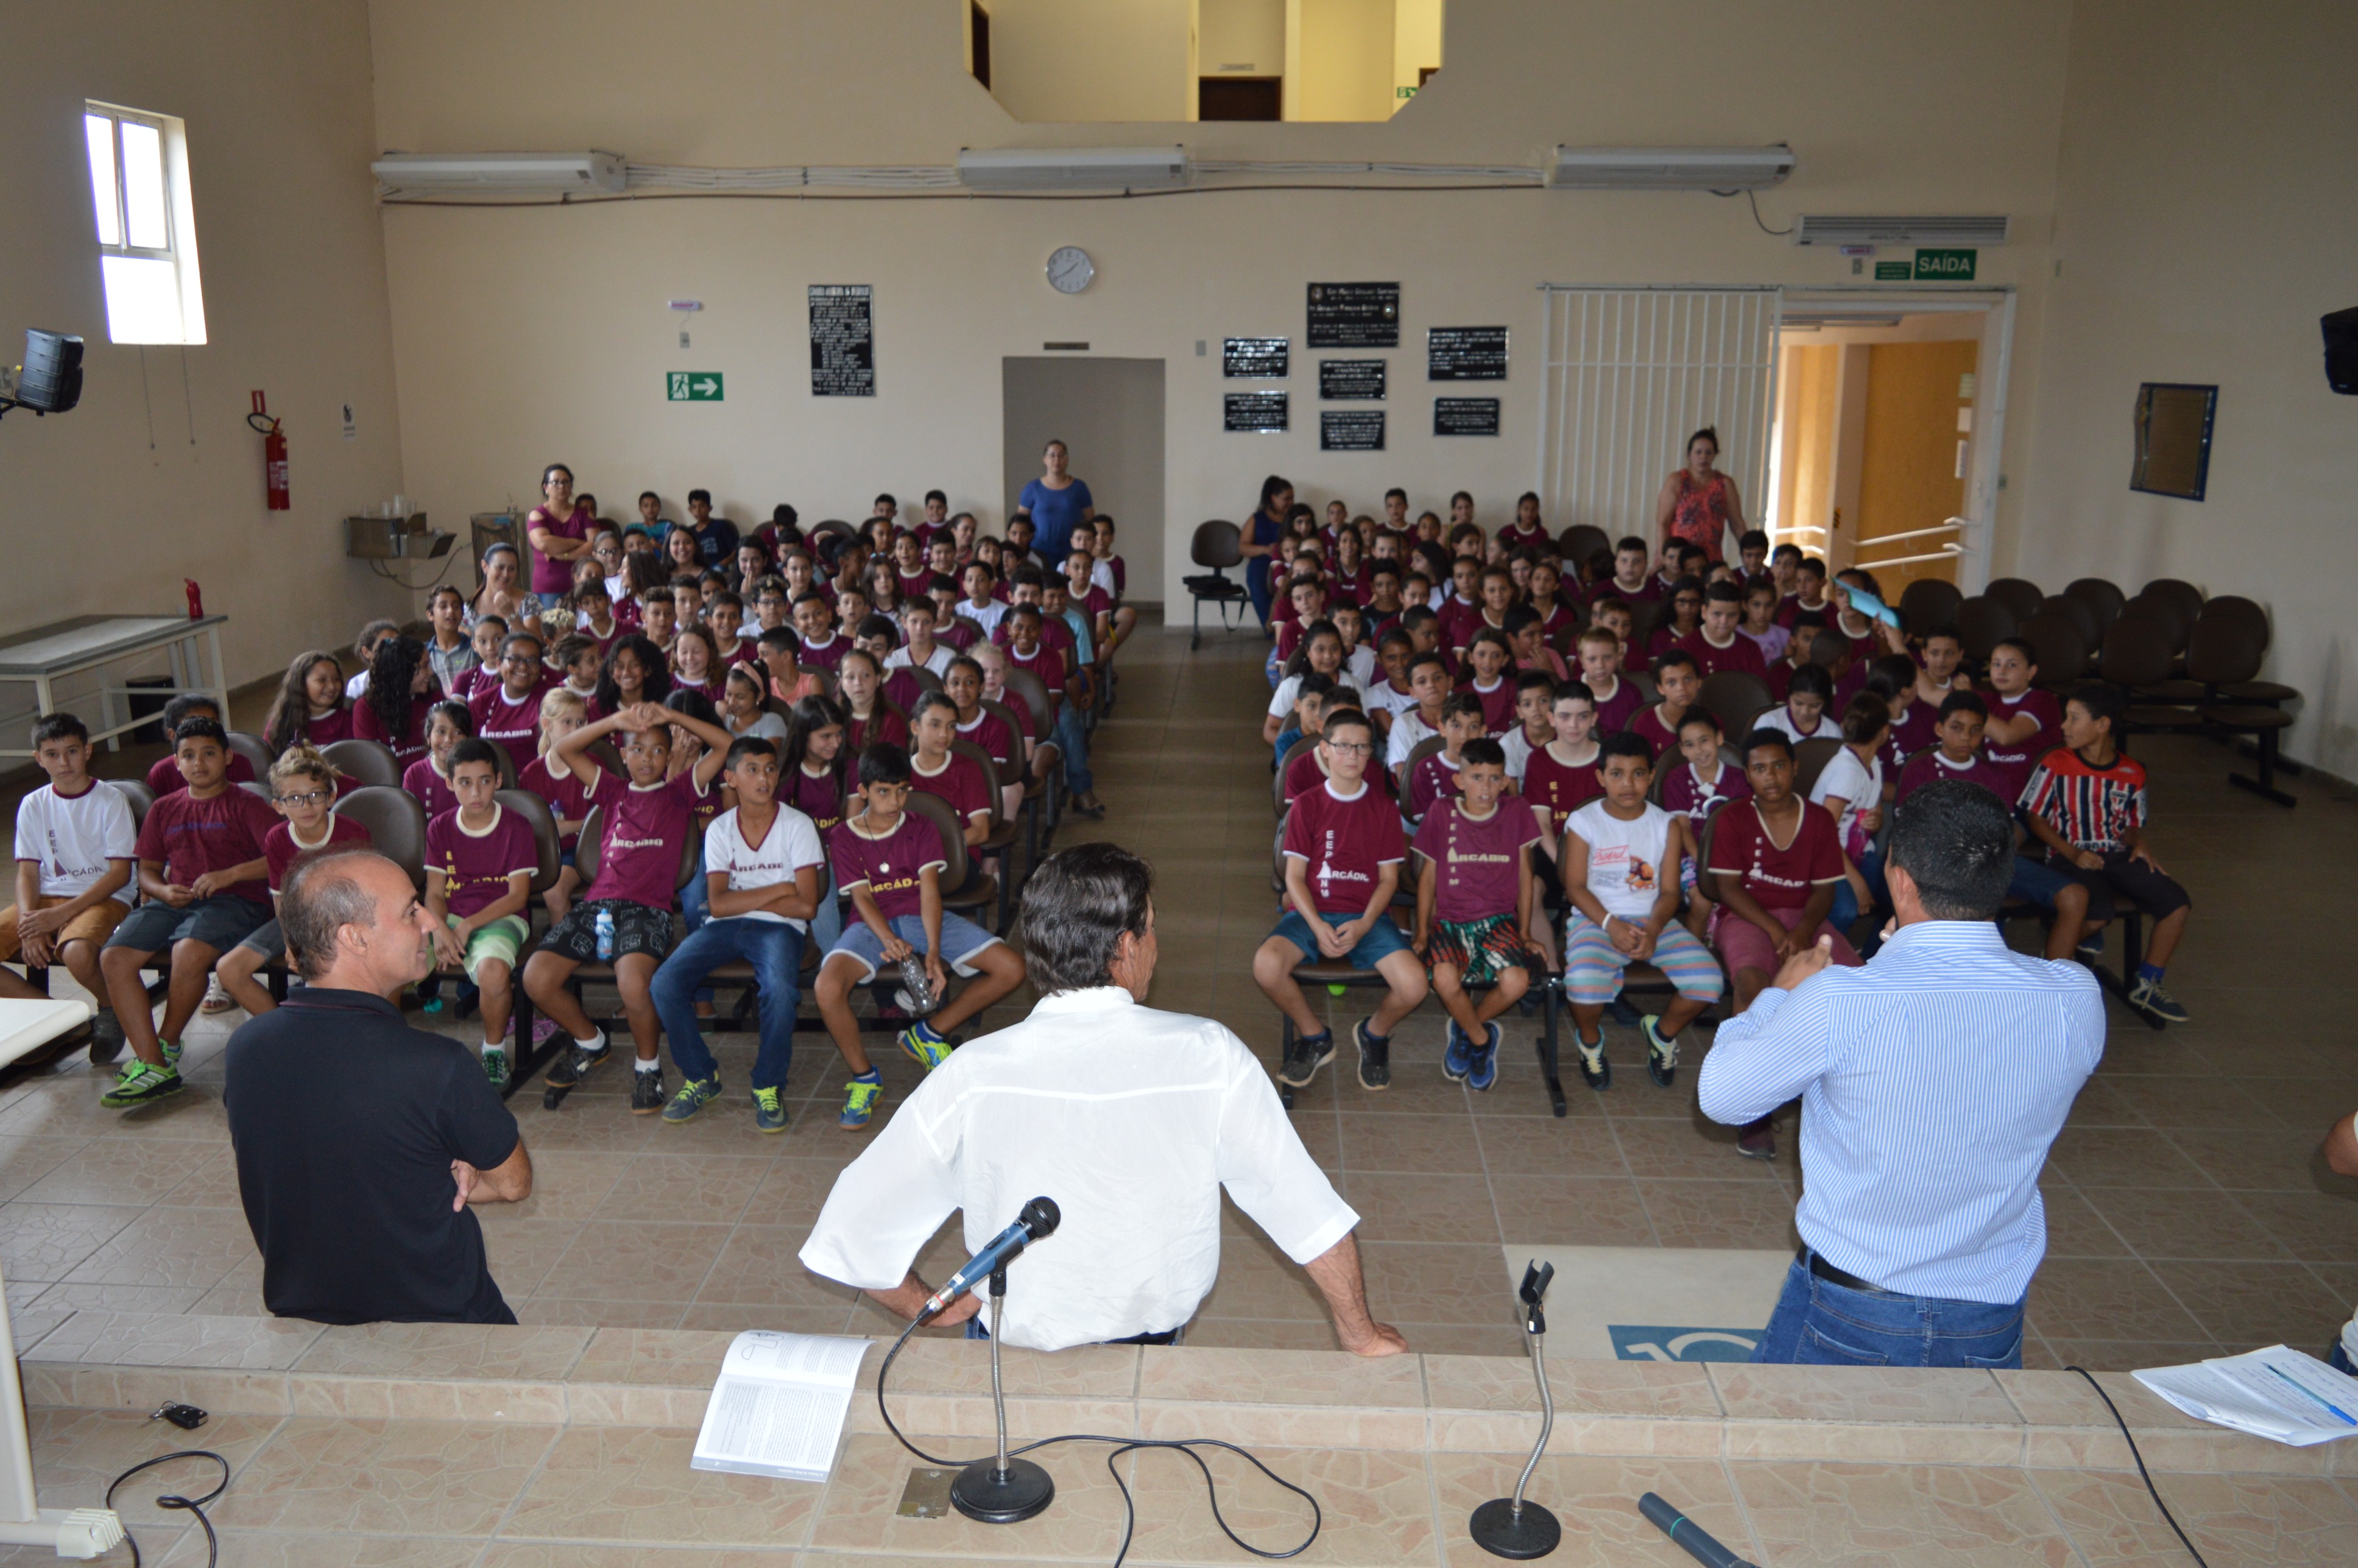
1480	949
637	929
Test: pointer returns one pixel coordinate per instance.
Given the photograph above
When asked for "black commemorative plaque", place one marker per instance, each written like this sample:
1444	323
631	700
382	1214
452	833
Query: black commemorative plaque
1355	315
1464	416
842	339
1253	413
1466	353
1351	430
1266	357
1351	381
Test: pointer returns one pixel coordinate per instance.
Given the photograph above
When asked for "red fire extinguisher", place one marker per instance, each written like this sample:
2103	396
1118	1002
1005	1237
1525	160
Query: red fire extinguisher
274	456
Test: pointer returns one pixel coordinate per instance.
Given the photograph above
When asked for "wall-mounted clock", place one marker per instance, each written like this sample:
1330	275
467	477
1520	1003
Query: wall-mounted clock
1070	270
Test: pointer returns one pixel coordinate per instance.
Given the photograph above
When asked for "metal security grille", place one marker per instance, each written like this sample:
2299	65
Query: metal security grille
1628	374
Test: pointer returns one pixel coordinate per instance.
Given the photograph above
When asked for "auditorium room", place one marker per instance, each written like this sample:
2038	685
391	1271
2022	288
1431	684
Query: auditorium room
1164	781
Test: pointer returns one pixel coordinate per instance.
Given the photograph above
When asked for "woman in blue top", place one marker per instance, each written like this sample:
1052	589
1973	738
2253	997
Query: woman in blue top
1262	535
1056	501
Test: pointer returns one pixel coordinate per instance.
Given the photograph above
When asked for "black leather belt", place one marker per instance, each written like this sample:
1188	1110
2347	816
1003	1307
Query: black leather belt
1834	1276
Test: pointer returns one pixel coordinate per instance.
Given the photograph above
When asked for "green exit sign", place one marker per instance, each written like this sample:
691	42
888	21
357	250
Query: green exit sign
1946	265
694	386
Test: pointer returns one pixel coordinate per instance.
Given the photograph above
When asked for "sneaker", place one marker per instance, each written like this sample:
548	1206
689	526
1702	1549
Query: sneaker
1757	1141
495	1066
138	1083
1485	1063
647	1092
1662	1055
2149	998
860	1100
542	1029
1595	1070
923	1045
1374	1061
216	999
171	1049
106	1039
769	1116
2090	952
577	1062
691	1097
1310	1053
1458	1061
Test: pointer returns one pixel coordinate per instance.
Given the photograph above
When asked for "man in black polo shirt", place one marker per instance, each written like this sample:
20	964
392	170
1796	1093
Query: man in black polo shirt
360	1140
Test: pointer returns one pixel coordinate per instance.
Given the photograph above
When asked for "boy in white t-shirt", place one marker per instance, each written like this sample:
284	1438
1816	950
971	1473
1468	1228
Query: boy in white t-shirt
1850	787
1620	868
763	870
75	850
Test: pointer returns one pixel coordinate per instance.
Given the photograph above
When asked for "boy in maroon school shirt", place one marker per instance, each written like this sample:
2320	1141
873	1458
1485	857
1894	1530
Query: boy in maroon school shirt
2024	723
646	822
1477	908
164	778
1343	853
480	860
202	871
1678	680
303	785
1717	644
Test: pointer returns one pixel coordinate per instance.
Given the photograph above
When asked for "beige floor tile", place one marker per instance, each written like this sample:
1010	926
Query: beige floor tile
2244	1305
634	1260
1733	1213
2186	1224
2113	1354
1593	1500
1083	1524
759	1266
1573	1211
2117	1157
2233	1518
48	1241
2314	1226
1419	1282
2101	1298
116	1171
1421	1208
1545	1146
522	1251
1435	1144
385	1477
699	1187
77	1453
255	1548
170	1246
1897	1517
1666	1148
633	1485
548	1554
1376	1507
2076	1228
24	1160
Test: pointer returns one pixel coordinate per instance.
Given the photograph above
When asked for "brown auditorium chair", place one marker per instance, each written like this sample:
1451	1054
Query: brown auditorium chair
2019	595
1929	605
256	788
1982	623
2187	598
256	750
1218	544
141	798
1733	697
1809	760
1416	753
2136	657
1581	541
2078	611
2100	594
965	889
2248	614
1005	833
2225	654
1276	786
2168	613
366	762
2063	650
395	823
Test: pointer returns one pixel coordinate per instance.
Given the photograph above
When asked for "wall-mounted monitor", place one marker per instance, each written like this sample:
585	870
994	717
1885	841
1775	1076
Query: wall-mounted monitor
2173	438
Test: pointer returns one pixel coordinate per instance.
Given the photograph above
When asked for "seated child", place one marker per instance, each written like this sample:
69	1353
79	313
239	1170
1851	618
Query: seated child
77	850
1308	714
1678	680
1343	851
578	660
303	785
428	778
1914	722
1850	787
391	713
480	862
1561	776
1719	643
1534	697
1476	905
310	707
2086	803
822	645
1617	701
164	777
1799	642
1803	716
1000	740
890	861
959	781
645	821
1390	691
449	650
1320	652
1025	650
1489	657
873	720
789	682
1428	680
744	705
1433	777
812	768
201	869
1761	628
1622	855
1358	658
2025	722
1526	635
1701	781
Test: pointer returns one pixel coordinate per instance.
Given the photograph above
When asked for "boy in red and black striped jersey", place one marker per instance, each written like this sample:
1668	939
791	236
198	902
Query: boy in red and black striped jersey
2086	803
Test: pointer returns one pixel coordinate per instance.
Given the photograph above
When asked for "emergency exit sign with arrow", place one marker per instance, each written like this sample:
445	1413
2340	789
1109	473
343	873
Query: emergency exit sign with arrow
693	385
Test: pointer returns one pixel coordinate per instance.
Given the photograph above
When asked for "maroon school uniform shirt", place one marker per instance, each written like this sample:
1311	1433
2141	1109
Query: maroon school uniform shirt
645	829
1046	663
1662	639
194	837
960	783
1609	587
882	727
1912	731
1514	536
1477	861
407	747
1742	654
424	781
476	867
901	688
818	796
1433	778
1557	624
1933	765
279	847
823	656
998	742
2015	762
1648	726
555	784
1792	613
165	778
1346	844
1498	705
891	865
327	731
1561	789
1694	797
1776	878
1460	619
1615	712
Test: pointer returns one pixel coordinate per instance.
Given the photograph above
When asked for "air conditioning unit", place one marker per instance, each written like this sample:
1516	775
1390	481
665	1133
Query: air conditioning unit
1668	168
1074	168
1976	233
487	172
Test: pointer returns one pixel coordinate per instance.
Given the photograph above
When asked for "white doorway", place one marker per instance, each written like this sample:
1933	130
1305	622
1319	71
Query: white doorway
1109	414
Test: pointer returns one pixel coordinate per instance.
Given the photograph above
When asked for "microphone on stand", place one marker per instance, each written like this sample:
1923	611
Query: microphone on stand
1516	1527
1039	1217
998	1491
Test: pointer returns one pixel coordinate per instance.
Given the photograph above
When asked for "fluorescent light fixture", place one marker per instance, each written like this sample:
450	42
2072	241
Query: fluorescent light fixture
500	171
1668	168
1975	232
1074	168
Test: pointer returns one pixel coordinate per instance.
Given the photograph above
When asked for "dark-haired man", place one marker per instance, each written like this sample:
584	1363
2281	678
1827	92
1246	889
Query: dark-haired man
1933	1080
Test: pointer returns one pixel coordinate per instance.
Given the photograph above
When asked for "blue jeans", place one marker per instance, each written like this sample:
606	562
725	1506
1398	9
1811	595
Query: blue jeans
1073	736
1819	1324
1257	585
1846	910
1285	740
827	922
775	951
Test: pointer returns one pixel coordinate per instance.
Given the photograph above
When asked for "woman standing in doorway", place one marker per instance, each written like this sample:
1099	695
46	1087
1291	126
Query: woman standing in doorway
1698	502
1056	502
1262	535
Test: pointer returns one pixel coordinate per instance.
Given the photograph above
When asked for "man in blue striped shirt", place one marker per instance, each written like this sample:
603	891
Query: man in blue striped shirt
1932	1081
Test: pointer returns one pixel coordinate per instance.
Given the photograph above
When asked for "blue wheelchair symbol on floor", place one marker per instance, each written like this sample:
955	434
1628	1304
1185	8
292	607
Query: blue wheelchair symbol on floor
1653	1342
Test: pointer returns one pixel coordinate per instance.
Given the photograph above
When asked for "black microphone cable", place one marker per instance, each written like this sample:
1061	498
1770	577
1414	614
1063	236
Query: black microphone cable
170	1500
1121	1447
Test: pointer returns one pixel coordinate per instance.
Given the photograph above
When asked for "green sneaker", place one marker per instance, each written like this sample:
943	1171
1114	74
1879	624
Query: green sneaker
138	1083
171	1049
1662	1055
769	1116
922	1044
691	1097
860	1100
495	1066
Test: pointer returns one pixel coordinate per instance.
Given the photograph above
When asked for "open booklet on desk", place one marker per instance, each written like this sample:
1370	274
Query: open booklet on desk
2276	1393
779	1405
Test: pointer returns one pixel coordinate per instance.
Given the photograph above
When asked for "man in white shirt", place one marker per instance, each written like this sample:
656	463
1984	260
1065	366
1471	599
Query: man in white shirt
1132	1120
75	850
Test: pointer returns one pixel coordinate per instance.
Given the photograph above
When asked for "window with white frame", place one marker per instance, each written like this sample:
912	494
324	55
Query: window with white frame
147	225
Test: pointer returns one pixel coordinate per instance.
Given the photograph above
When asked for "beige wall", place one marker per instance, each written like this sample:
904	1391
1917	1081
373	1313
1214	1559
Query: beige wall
1086	60
2210	217
1344	60
1248	33
154	477
1416	41
524	335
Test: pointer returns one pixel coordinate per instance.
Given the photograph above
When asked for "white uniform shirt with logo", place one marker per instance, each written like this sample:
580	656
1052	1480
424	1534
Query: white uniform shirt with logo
1625	859
791	844
74	839
1132	1120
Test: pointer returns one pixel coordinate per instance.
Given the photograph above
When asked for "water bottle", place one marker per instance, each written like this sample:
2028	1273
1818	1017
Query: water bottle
915	996
605	935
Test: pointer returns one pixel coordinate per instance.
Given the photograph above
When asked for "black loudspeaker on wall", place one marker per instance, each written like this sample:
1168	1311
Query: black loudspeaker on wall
50	382
2342	351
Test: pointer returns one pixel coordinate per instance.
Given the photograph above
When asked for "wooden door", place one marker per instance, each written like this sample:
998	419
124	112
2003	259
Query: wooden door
1915	455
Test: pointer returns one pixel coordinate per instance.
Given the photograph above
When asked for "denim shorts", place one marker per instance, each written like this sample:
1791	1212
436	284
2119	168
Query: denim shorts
1383	938
220	922
961	940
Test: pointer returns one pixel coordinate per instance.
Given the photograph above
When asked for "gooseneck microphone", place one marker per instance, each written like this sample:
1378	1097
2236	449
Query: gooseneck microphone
1039	1217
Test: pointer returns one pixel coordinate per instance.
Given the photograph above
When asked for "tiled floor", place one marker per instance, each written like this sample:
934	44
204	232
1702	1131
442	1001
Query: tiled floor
2187	1212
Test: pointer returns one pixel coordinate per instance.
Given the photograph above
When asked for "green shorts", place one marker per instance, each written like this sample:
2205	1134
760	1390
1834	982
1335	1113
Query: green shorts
502	939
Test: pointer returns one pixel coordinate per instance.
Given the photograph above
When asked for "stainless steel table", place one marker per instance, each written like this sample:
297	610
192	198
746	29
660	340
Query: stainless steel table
47	655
